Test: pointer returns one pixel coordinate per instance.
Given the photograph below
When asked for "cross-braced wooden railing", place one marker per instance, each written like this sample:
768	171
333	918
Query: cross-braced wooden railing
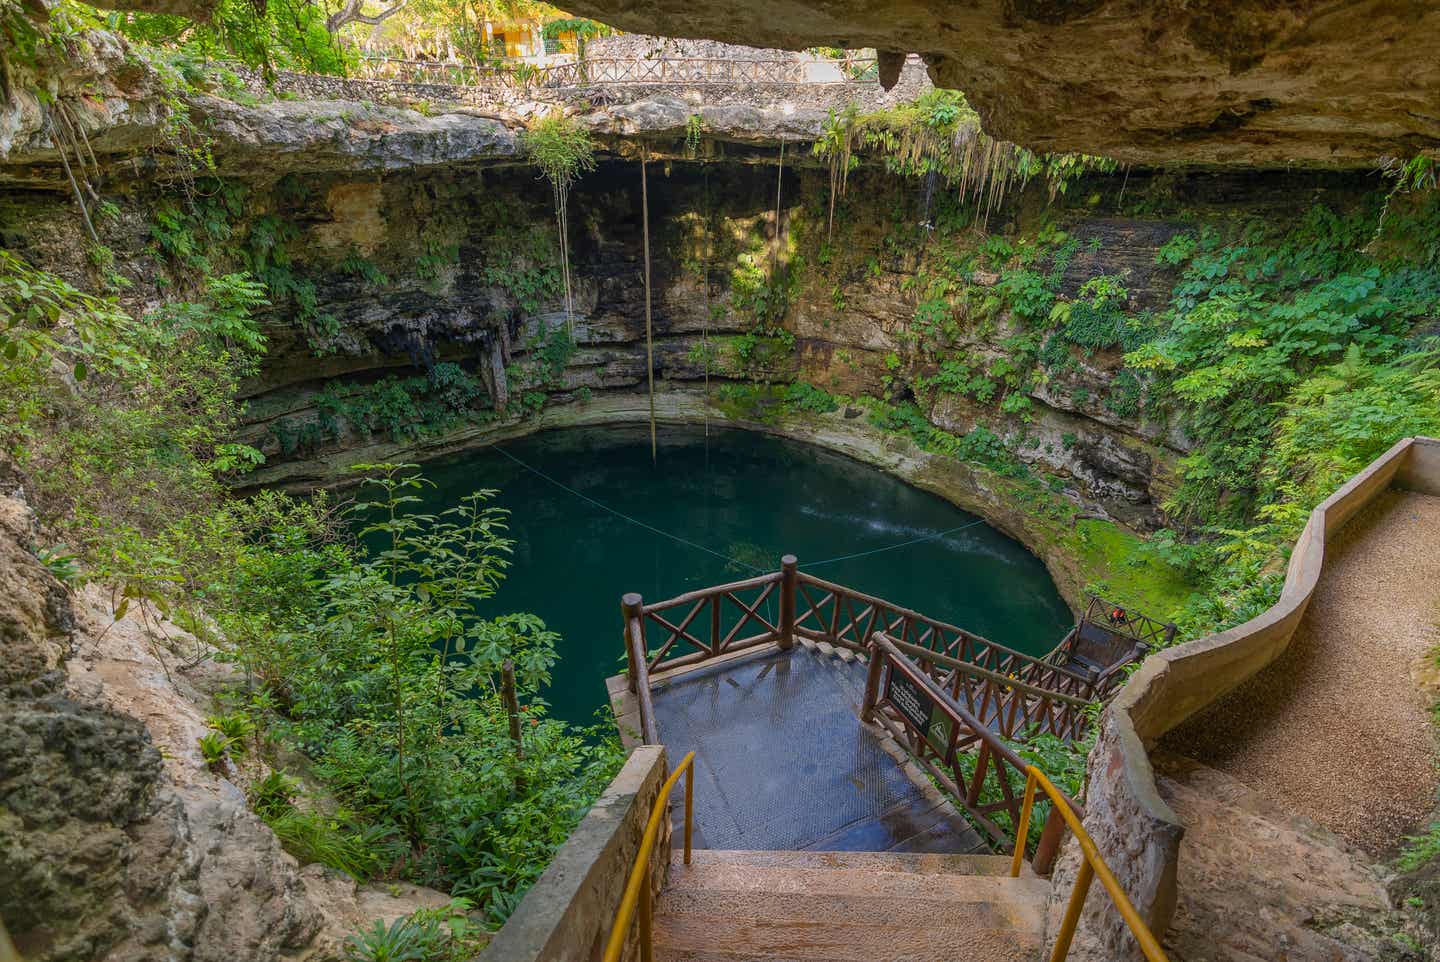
1007	706
1006	689
962	753
604	71
1133	624
843	616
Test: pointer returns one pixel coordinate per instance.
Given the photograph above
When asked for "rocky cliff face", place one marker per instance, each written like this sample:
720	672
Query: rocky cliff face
1233	81
116	841
413	241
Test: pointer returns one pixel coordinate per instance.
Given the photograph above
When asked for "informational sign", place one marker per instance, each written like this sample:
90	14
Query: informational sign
910	698
918	706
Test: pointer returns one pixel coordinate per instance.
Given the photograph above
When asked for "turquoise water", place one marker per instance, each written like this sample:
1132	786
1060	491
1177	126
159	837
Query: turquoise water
748	497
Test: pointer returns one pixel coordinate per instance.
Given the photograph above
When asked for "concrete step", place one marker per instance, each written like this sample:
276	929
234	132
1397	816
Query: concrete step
823	938
919	863
868	882
728	906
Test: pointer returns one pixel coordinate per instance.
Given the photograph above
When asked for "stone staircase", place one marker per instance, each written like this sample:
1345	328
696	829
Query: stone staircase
737	906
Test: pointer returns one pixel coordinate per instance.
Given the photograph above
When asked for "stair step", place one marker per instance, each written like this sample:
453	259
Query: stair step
690	938
927	863
873	883
1008	906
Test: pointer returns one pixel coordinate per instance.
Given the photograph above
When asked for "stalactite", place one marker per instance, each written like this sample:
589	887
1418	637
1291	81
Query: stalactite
649	332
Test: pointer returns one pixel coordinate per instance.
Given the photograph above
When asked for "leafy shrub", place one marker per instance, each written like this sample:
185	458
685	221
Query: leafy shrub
803	396
214	748
235	728
315	838
403	940
274	795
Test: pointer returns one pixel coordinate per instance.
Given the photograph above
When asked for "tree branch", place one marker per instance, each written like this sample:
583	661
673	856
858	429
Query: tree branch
352	13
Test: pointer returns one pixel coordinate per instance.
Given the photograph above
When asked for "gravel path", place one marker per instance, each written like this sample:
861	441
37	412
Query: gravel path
1337	730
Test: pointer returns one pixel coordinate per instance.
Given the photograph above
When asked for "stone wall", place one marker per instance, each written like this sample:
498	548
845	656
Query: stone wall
382	91
1138	834
567	915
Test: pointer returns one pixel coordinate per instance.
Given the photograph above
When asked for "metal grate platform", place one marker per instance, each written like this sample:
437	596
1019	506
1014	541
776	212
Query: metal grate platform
783	763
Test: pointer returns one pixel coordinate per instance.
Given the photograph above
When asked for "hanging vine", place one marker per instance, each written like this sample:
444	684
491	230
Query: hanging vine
775	248
705	286
649	332
563	150
940	133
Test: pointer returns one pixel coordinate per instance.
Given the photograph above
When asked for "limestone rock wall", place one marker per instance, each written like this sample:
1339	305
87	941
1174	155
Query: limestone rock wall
115	840
422	250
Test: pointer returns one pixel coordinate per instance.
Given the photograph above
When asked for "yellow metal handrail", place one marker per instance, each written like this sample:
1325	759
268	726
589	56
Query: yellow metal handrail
1092	866
639	880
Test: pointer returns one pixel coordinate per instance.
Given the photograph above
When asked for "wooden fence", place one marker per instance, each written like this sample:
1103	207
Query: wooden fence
613	71
1006	690
956	747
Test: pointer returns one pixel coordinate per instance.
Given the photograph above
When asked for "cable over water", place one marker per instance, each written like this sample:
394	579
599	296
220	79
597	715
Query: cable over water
711	551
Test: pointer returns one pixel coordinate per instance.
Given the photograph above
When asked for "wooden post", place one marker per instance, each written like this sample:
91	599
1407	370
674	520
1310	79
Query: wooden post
977	781
1051	837
787	602
872	685
512	705
512	708
631	606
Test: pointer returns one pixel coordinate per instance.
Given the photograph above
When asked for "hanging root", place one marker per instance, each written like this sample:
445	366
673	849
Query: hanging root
60	145
649	332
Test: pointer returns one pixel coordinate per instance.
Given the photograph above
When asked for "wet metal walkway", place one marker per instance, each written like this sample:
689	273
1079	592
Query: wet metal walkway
783	763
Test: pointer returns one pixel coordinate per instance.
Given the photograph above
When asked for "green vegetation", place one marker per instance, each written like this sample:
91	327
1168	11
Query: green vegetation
375	664
366	655
1287	353
563	150
939	133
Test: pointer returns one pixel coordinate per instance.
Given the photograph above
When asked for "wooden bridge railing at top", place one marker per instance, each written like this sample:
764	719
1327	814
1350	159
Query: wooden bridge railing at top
616	71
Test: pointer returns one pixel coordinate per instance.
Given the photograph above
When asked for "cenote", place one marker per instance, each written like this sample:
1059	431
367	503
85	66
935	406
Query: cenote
742	495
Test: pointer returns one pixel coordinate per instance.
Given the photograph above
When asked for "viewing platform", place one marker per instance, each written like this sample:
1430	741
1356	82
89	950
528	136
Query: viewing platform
823	719
782	762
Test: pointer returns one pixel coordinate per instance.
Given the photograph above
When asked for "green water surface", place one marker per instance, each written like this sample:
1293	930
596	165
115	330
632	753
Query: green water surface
748	497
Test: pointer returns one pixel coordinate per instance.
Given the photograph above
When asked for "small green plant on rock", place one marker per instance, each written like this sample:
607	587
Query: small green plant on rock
214	749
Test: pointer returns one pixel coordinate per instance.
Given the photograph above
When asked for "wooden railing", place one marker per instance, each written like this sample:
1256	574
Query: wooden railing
962	753
1006	689
685	71
1133	624
842	616
1009	707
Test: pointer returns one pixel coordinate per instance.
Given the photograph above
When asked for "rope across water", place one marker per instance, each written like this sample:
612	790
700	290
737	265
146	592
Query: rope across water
711	551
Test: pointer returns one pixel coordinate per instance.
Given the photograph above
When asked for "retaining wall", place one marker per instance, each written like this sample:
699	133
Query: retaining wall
1137	832
567	914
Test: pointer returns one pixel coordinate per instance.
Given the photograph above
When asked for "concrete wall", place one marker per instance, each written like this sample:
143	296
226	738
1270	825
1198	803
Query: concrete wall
566	916
1136	831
